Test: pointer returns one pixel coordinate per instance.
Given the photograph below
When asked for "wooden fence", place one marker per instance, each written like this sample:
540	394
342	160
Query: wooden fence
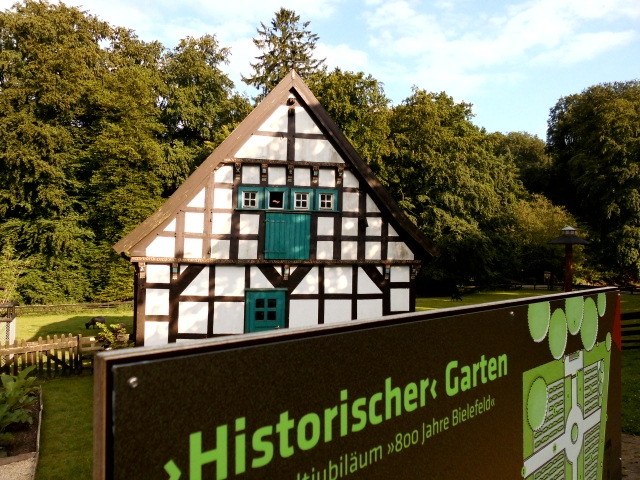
52	357
630	330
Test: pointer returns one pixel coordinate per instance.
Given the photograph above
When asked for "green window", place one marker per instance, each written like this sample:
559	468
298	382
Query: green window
264	309
250	198
287	236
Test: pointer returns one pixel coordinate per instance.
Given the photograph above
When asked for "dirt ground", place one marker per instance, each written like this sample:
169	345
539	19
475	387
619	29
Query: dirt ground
630	457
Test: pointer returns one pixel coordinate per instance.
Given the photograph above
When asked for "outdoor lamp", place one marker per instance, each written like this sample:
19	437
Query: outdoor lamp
568	239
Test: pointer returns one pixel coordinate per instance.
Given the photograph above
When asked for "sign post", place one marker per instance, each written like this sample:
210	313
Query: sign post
507	390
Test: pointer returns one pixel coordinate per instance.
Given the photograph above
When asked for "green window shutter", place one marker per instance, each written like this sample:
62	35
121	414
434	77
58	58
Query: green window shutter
287	236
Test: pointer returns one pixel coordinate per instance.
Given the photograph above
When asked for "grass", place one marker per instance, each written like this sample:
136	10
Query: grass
434	303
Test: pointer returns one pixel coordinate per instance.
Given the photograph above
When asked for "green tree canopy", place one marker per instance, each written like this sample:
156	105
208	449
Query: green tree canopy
286	44
594	137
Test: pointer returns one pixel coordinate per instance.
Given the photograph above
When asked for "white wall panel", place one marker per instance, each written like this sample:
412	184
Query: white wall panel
371	206
199	286
304	123
229	281
220	249
302	176
277	122
198	200
268	148
223	175
327	178
162	247
349	227
350	180
324	250
277	176
158	273
392	231
337	280
193	317
337	311
156	301
398	251
222	198
228	317
250	174
248	249
349	251
303	313
221	223
350	201
309	284
257	279
369	309
400	273
325	226
156	333
192	248
400	300
194	222
374	226
365	284
372	250
311	150
249	224
171	227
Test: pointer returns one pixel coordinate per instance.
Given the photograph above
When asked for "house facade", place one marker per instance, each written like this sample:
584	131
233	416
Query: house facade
282	226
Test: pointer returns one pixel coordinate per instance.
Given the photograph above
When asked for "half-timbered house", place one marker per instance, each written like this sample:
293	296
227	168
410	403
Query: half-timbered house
282	226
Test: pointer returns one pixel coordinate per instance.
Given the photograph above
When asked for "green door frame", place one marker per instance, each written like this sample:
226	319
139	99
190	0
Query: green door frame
264	309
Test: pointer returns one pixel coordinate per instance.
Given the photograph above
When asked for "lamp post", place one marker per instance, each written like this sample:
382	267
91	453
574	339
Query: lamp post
568	239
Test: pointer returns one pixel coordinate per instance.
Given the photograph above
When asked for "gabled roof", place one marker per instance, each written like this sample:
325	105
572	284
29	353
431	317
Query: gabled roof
292	84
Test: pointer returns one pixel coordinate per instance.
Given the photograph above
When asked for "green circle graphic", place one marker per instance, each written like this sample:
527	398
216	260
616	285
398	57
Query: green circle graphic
574	433
589	329
537	403
538	315
602	303
558	333
608	341
574	307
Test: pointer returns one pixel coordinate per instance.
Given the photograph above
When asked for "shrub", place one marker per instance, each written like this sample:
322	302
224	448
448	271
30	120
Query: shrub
17	394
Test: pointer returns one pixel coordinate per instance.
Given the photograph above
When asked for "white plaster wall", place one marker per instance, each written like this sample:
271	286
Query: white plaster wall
349	227
373	250
336	311
374	226
392	231
304	124
310	150
337	280
365	284
302	177
248	249
192	248
257	279
277	122
325	226
303	313
249	224
398	251
171	226
192	317
268	148
222	198
369	309
194	222
221	223
400	299
277	176
198	200
350	201
158	273
229	281
349	251
162	247
324	250
371	205
309	284
156	333
349	180
156	301
250	174
400	273
220	249
223	175
228	317
199	286
327	178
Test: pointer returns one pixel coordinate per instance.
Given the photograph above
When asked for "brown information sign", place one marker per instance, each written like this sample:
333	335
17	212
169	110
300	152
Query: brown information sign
523	389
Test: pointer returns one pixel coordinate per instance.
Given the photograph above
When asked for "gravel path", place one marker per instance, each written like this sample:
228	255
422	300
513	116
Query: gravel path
22	470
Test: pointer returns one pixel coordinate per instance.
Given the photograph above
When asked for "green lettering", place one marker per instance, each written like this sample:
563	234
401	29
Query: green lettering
359	414
259	444
312	420
283	427
410	395
198	458
452	383
329	415
373	417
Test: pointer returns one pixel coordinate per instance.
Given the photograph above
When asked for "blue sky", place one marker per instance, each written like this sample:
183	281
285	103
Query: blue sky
511	60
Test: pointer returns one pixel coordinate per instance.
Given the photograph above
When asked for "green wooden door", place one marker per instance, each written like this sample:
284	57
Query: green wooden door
264	310
288	236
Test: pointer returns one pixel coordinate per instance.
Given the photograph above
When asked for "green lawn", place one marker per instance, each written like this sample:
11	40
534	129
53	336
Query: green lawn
434	303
